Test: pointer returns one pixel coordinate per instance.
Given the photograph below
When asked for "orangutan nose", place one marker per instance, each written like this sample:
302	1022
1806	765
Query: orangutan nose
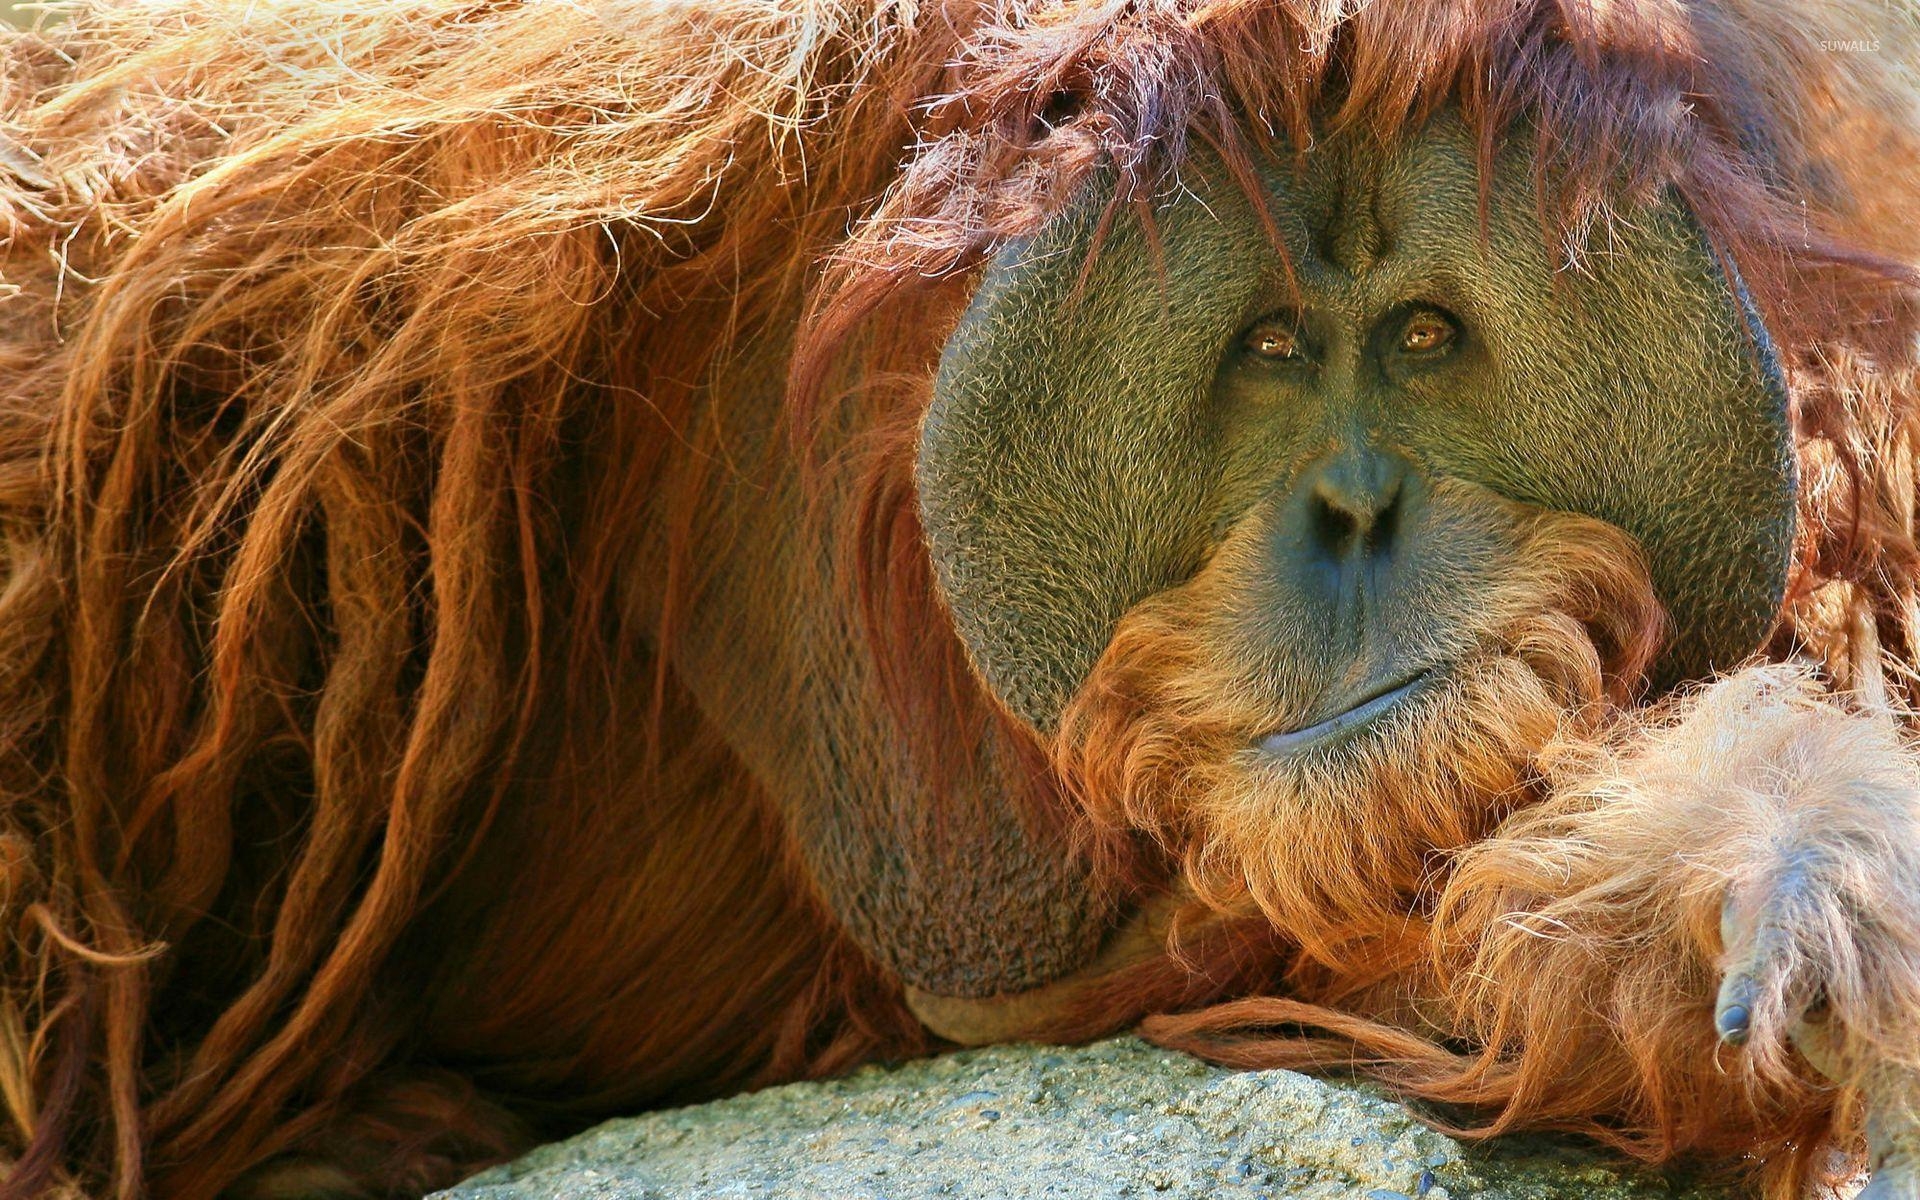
1354	504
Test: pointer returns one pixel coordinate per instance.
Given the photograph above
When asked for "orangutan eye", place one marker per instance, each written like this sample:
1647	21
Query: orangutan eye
1426	333
1275	342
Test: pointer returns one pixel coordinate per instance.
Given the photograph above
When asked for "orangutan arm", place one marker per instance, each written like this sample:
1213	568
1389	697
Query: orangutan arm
1735	883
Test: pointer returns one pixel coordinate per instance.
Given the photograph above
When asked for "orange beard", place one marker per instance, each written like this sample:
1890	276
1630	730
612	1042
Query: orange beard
1340	851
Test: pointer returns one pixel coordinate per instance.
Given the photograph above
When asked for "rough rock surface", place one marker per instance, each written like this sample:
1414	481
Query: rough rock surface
1116	1119
1012	1122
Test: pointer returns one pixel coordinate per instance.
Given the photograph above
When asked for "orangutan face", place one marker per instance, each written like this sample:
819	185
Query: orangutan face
1366	519
1364	419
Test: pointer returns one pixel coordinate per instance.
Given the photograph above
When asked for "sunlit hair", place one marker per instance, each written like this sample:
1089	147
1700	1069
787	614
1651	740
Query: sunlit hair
1336	847
346	358
1550	976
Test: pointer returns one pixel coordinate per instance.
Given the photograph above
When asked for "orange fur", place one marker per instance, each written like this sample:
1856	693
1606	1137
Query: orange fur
1337	854
1522	865
359	457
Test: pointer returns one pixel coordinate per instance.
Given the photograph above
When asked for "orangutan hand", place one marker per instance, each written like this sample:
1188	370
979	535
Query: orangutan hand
1822	951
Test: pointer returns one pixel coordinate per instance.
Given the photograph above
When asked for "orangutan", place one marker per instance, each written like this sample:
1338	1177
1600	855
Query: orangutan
558	558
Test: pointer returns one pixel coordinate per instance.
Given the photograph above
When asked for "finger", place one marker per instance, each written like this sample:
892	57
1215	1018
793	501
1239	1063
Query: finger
1892	1097
1822	1044
1733	1010
1754	974
1757	928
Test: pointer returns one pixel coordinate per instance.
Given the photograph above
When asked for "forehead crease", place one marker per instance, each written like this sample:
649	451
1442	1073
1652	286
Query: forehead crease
1363	294
1370	227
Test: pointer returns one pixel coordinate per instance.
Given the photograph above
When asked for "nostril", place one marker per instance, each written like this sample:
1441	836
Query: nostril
1355	504
1334	529
1385	525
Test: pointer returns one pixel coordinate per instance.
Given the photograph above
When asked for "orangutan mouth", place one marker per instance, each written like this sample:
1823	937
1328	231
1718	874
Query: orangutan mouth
1369	707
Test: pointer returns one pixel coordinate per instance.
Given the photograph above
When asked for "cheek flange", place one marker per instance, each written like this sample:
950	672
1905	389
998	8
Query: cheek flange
1642	390
1069	468
1066	463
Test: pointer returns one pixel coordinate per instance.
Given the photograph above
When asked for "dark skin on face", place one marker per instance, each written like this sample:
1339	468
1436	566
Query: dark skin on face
1094	436
1409	350
1357	510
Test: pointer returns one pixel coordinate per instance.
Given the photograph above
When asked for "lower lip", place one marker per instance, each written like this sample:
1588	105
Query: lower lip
1343	724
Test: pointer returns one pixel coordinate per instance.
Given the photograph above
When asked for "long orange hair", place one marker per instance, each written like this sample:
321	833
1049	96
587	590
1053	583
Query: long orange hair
342	362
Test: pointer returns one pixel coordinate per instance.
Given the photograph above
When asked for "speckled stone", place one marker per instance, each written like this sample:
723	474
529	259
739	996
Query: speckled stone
1115	1119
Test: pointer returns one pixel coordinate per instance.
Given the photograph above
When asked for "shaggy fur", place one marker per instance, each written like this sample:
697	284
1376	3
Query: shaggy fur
1517	864
1160	738
351	350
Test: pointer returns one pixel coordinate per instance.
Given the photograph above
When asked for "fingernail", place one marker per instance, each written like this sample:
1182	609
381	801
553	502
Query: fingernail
1732	1022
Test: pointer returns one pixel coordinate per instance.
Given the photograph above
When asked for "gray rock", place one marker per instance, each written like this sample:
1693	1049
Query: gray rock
1117	1119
